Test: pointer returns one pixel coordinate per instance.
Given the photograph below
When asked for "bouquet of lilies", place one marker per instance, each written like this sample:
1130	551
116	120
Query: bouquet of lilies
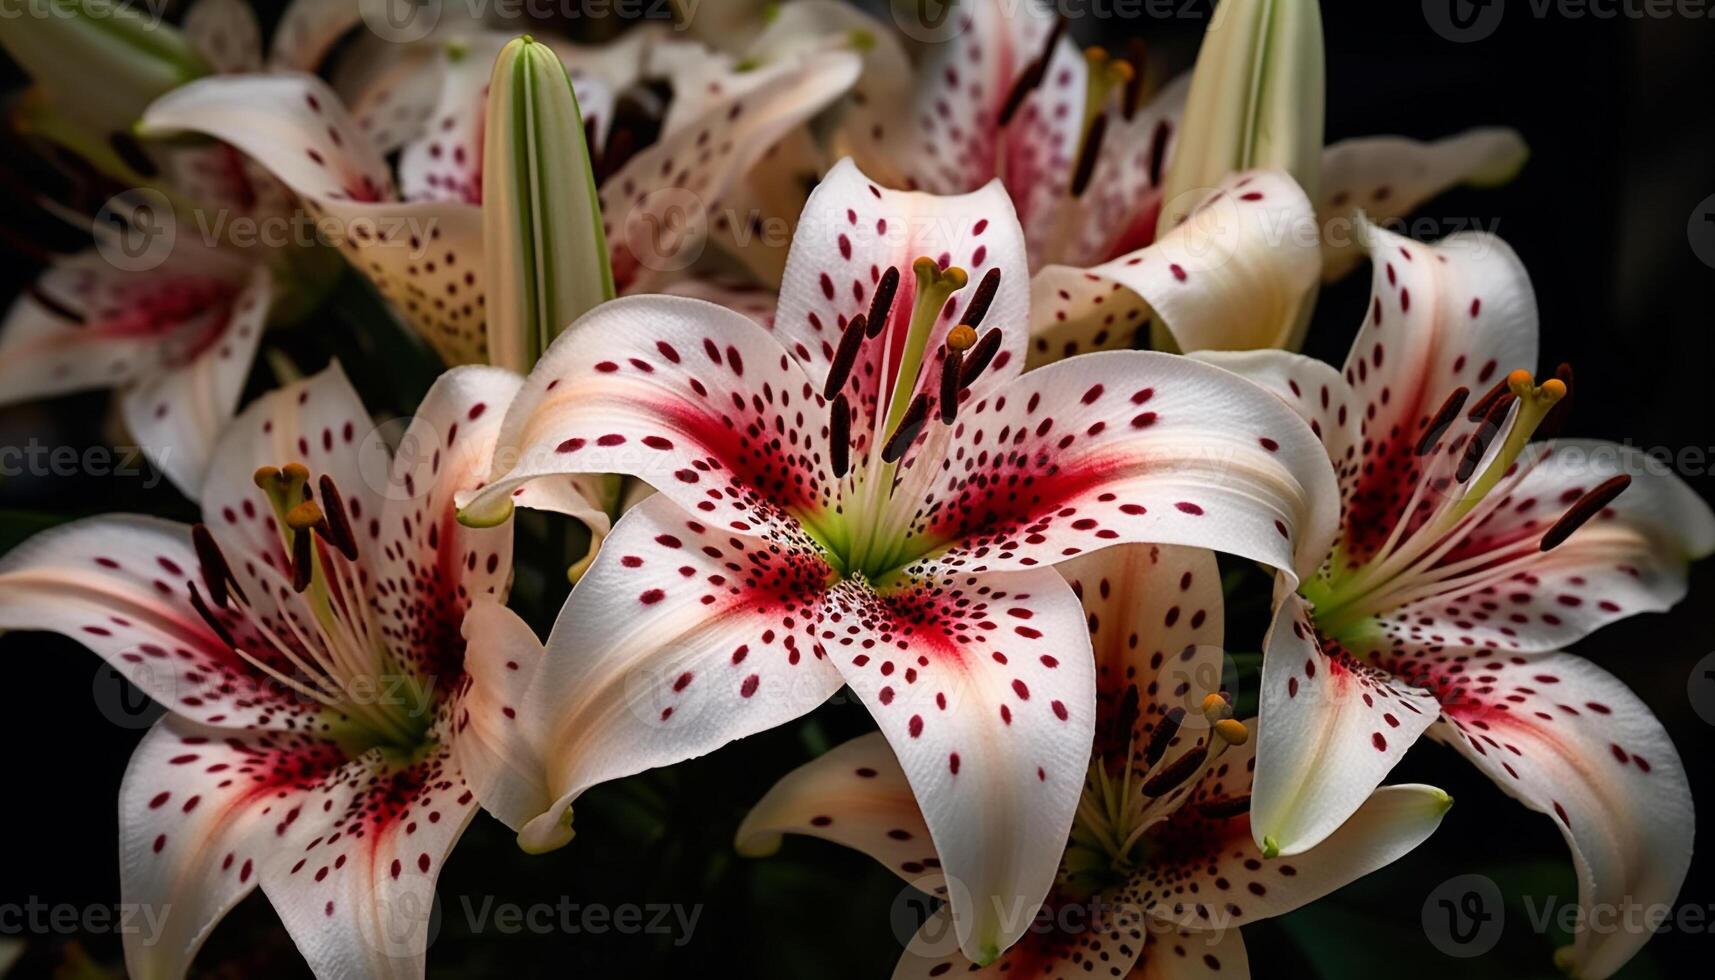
807	349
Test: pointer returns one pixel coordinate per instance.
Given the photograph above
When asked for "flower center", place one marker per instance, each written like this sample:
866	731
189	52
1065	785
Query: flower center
1430	553
1129	791
872	544
336	657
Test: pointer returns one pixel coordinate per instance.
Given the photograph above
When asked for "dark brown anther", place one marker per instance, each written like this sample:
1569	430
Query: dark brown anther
1555	420
1481	408
881	304
1092	152
303	552
1579	514
209	617
977	358
909	427
1158	151
1232	806
840	435
845	356
1033	74
336	526
126	148
1443	419
1137	53
952	369
1177	772
1163	734
52	305
215	572
982	299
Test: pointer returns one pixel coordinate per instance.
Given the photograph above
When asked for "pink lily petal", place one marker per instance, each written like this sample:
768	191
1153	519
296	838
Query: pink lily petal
1333	725
1567	739
950	141
1210	873
444	163
201	812
1233	276
856	795
1629	558
1173	953
1380	178
990	713
308	30
851	233
657	209
421	255
178	414
121	587
1121	207
679	638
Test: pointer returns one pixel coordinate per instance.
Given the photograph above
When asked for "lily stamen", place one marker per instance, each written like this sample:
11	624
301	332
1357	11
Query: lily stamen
881	304
845	356
910	426
1443	418
1580	513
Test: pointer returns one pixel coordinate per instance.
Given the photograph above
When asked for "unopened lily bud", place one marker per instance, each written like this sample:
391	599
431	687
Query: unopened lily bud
1256	102
545	253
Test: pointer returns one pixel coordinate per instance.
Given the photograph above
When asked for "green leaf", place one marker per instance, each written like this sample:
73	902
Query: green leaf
545	252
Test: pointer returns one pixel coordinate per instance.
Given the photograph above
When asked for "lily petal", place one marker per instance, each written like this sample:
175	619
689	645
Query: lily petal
177	415
1629	558
226	34
1567	739
1174	953
1332	727
680	638
424	257
1233	276
308	29
121	586
854	794
990	709
198	816
661	388
657	208
1383	178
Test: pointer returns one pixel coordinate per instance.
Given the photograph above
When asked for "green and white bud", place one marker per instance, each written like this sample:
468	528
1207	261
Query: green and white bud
545	254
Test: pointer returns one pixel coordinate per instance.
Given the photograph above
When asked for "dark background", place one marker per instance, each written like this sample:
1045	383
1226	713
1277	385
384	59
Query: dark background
1616	112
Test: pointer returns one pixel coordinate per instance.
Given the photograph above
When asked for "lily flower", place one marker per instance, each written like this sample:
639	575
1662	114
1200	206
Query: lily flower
1159	871
871	493
1468	556
1084	143
418	234
175	341
327	732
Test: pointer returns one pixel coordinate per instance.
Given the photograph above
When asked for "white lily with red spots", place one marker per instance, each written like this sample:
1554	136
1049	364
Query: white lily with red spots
871	494
1159	870
327	735
1081	142
175	341
418	234
1468	556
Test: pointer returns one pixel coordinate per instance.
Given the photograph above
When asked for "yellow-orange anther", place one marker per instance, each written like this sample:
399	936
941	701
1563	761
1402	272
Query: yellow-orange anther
1232	731
303	516
1553	389
961	337
265	476
1215	706
1520	382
